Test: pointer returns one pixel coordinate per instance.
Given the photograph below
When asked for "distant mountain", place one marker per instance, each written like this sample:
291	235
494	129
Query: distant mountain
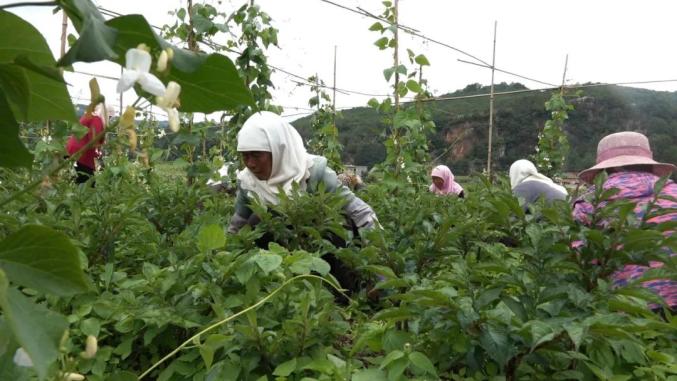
518	119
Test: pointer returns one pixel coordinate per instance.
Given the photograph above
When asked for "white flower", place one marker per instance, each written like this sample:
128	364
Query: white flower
137	65
21	358
168	102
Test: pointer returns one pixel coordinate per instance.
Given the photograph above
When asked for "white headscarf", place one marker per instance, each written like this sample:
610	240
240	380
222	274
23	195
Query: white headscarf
524	170
268	132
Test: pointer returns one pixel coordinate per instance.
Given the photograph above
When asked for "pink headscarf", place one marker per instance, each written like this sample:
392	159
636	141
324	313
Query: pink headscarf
450	186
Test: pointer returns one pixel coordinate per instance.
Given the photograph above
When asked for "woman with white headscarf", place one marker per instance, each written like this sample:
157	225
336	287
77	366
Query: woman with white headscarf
275	158
528	184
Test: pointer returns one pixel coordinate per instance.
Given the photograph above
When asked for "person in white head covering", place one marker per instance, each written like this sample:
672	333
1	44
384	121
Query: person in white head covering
528	184
275	158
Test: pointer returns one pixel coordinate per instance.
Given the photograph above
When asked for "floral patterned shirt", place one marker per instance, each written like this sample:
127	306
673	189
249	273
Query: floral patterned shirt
637	187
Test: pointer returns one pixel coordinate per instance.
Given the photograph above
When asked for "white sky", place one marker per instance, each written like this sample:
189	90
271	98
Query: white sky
607	41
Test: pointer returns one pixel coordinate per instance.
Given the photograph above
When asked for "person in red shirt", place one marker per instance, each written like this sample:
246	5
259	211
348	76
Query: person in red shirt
86	165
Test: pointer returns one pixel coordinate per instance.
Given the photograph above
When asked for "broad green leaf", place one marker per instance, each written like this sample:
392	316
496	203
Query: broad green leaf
487	297
13	153
568	375
211	237
91	326
423	362
286	368
201	24
388	73
122	376
380	270
422	60
95	44
390	357
208	82
46	71
43	259
14	83
377	26
36	329
9	370
382	43
575	332
48	98
369	375
413	86
494	340
267	262
394	339
210	346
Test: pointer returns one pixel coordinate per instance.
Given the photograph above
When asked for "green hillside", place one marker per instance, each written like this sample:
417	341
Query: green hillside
460	139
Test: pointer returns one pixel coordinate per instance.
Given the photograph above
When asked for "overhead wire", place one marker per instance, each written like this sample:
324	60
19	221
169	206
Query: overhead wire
216	46
416	33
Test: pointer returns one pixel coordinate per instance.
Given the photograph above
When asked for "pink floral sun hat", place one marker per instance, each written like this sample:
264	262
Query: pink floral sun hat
623	149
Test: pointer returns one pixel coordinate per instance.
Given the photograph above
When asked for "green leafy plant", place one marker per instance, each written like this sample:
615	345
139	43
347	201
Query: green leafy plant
553	145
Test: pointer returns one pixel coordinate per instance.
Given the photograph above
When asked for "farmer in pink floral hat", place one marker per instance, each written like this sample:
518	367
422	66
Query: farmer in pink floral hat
627	159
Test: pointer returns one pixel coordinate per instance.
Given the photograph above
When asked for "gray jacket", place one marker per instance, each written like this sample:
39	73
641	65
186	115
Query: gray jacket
531	191
361	214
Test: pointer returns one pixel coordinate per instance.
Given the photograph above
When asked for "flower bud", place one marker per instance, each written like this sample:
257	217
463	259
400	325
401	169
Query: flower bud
162	61
91	347
73	377
132	139
127	118
143	47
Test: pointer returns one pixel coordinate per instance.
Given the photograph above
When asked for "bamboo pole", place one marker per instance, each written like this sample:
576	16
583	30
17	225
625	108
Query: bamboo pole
396	57
333	98
564	75
491	105
64	30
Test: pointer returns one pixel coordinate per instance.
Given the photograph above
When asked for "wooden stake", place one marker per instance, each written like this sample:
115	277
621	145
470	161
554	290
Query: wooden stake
491	105
396	57
333	98
564	75
64	30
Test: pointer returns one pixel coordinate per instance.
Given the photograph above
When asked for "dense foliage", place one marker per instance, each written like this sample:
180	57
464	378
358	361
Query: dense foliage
469	289
135	278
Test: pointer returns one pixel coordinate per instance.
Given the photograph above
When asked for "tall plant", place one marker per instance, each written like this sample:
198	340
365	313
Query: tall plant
323	124
553	144
407	144
256	35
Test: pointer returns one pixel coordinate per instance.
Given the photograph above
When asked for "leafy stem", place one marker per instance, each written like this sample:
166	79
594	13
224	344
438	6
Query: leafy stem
244	311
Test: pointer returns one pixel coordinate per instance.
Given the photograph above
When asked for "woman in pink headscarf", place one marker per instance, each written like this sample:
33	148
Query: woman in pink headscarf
443	182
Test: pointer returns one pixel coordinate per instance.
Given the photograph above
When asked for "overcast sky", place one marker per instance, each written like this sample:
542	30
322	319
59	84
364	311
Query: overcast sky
607	41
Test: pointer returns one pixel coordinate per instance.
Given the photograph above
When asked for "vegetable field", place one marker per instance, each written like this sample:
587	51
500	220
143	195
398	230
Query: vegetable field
135	278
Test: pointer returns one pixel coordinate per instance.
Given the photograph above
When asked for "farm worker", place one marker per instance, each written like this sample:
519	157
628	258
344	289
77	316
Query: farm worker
275	158
627	159
528	184
95	123
352	181
443	182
